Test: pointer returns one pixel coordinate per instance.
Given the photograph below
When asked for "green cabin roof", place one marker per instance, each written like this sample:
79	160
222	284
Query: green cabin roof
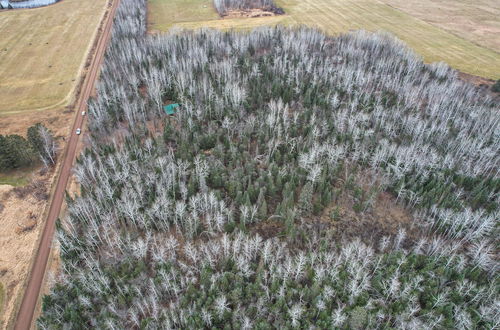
170	109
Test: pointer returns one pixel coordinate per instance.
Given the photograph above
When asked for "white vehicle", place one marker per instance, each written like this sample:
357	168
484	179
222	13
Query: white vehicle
78	131
83	113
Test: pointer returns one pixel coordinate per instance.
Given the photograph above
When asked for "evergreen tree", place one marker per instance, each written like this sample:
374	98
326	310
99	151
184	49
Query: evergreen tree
496	86
34	137
305	198
15	152
262	204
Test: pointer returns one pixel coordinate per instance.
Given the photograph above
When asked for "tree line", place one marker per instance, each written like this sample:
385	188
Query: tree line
224	6
17	151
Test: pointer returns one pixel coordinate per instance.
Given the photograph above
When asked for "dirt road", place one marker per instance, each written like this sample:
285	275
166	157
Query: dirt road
25	315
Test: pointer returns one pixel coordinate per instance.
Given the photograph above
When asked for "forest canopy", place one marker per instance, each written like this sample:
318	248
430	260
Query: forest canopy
255	205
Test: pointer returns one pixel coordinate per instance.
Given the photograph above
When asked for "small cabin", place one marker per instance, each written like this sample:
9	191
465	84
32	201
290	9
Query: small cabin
171	109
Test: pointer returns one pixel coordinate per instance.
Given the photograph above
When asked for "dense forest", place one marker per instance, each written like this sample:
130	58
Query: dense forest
255	205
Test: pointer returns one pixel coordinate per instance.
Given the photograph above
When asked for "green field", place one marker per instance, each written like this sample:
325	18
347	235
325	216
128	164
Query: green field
165	13
42	52
337	16
16	179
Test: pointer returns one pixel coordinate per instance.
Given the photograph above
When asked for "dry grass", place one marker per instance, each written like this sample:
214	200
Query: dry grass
337	16
42	52
22	221
2	298
58	121
238	23
477	21
162	14
193	14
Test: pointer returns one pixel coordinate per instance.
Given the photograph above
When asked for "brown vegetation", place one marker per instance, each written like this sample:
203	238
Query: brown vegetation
21	216
58	121
37	189
385	217
269	228
28	224
22	207
248	13
484	84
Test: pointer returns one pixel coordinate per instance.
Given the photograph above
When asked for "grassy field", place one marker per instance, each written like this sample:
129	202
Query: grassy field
477	21
17	178
13	181
42	52
166	13
337	16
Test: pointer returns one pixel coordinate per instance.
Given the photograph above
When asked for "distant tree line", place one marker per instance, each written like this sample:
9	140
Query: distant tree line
223	6
17	151
20	4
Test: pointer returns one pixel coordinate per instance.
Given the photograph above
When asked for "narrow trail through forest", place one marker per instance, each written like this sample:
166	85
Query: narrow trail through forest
26	311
